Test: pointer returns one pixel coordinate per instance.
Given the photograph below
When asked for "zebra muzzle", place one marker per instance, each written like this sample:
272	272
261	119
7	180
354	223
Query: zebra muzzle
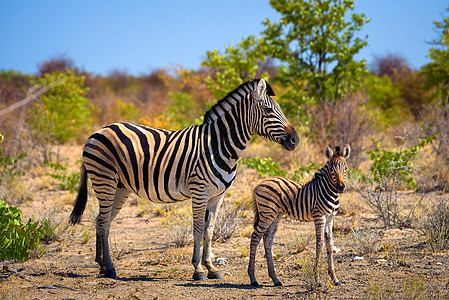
292	140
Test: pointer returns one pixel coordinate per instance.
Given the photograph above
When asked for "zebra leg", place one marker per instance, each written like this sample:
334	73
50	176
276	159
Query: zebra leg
330	246
121	195
268	239
259	230
107	194
319	230
199	213
213	207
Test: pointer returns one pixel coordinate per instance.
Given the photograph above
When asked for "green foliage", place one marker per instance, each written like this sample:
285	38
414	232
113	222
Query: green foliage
316	40
125	111
182	110
437	71
300	173
237	65
384	97
63	113
264	166
390	170
8	165
17	239
395	165
67	180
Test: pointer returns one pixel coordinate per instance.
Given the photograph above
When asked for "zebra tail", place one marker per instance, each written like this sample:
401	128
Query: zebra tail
81	199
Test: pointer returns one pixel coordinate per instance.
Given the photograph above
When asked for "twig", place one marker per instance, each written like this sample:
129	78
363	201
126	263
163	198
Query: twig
32	96
17	273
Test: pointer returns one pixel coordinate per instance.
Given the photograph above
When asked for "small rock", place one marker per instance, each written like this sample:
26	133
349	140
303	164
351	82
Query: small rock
227	273
379	261
339	261
439	263
357	258
246	260
336	250
390	264
221	261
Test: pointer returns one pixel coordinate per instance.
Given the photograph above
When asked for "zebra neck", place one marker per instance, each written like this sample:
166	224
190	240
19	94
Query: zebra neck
228	123
322	180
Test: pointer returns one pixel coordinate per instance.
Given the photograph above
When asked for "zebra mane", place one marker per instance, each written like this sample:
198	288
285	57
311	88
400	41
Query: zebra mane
321	172
244	87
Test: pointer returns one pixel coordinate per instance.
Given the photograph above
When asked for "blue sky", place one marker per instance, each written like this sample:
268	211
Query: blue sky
139	36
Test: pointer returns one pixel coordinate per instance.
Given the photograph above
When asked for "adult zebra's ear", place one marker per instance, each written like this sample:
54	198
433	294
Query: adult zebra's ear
346	151
261	89
328	152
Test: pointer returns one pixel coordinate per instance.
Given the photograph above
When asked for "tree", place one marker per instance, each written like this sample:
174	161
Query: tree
437	71
237	65
316	42
59	63
63	113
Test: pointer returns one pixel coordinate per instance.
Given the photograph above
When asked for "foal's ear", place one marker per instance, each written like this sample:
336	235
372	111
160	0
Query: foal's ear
346	151
261	88
328	152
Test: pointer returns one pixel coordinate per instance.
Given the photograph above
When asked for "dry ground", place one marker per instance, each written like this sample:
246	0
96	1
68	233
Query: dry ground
149	266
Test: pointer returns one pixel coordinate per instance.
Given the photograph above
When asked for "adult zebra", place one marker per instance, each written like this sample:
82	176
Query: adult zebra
197	163
316	200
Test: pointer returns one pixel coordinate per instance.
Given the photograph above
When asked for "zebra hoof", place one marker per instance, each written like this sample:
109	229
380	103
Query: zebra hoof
278	283
254	283
214	275
110	274
337	283
199	276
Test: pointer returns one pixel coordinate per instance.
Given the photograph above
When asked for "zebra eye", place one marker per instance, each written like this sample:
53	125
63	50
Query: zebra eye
268	110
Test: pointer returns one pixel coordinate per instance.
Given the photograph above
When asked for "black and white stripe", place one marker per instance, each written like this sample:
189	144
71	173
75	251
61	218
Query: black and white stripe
165	166
316	200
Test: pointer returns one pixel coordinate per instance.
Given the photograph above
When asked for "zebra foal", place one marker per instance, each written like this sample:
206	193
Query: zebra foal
316	200
168	166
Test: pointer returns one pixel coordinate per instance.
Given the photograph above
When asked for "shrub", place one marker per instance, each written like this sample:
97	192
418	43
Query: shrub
17	240
8	165
123	111
264	166
436	226
389	171
67	180
365	242
179	228
52	230
227	223
62	114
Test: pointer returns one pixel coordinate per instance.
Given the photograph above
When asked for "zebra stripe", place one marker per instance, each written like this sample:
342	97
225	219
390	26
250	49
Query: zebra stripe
198	163
316	200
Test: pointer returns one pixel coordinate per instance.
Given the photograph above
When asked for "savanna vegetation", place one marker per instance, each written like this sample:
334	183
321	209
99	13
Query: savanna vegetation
395	117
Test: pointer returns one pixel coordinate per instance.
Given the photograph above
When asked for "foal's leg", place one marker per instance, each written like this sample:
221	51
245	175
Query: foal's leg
268	239
259	231
330	246
319	230
213	207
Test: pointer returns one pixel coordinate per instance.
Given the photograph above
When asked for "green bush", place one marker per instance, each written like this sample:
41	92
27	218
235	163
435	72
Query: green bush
395	166
17	240
67	180
64	112
264	166
389	171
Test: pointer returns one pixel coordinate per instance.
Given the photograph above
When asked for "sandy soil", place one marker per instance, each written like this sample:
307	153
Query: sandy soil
150	267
